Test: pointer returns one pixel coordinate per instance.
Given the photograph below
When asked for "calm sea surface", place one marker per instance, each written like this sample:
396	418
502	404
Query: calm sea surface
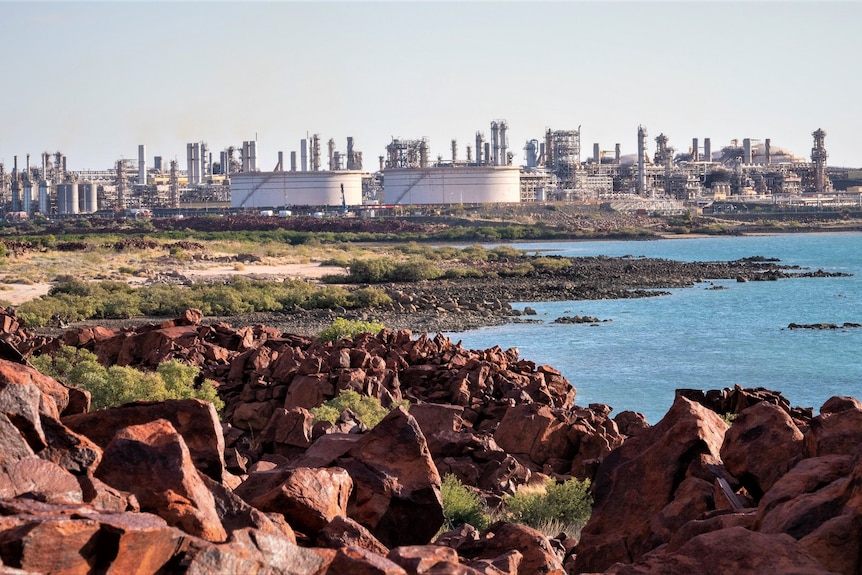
702	338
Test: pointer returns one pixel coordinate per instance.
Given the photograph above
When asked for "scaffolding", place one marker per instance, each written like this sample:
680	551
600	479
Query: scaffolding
407	153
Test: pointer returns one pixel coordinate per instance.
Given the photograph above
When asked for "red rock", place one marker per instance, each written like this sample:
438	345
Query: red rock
50	546
308	498
396	484
835	432
252	415
71	451
136	542
152	461
840	403
631	423
236	515
344	531
13	446
639	479
534	430
196	420
505	564
501	538
308	391
359	561
288	429
808	476
744	518
731	550
762	445
420	559
249	551
20	402
691	500
103	497
40	479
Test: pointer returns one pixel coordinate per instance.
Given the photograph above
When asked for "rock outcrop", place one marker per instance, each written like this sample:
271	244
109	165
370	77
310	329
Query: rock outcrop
156	487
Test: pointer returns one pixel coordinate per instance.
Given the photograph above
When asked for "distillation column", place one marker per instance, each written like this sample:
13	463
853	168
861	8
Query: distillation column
818	157
642	144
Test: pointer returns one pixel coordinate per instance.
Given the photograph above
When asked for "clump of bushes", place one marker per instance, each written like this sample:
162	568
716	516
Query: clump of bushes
341	328
367	409
379	270
115	385
552	508
461	505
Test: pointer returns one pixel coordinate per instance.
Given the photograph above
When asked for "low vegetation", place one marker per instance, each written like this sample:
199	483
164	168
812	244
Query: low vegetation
552	508
367	409
77	300
115	385
461	505
341	328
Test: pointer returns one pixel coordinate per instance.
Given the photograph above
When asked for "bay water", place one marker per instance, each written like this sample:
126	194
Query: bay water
700	337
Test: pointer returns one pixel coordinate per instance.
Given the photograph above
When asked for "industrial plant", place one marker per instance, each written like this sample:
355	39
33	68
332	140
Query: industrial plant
696	176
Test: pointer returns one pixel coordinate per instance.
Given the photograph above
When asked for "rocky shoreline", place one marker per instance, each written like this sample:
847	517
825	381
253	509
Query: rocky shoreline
454	305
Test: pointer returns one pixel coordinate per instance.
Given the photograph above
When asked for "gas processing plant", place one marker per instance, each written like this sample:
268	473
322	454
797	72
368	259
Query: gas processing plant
553	169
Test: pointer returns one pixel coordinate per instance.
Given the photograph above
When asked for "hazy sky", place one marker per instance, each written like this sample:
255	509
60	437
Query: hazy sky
94	80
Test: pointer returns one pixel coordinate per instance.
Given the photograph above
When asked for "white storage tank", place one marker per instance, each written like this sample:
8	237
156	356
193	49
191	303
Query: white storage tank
452	185
27	200
272	189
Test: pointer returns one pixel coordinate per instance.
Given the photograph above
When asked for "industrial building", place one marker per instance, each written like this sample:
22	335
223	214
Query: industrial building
553	170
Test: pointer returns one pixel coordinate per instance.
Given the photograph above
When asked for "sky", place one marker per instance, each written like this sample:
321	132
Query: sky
96	79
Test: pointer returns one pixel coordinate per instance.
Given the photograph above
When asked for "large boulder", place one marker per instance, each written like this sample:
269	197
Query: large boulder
639	479
731	550
537	554
396	486
152	461
837	430
762	445
308	498
195	420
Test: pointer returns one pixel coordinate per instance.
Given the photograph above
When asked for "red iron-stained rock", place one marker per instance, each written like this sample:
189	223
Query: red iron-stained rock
308	498
502	538
344	531
762	445
152	461
195	420
731	550
639	479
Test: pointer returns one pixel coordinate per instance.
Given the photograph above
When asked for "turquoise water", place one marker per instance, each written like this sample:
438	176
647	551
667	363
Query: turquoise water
702	338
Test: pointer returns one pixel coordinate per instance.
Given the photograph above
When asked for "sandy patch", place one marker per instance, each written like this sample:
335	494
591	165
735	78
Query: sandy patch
303	271
20	293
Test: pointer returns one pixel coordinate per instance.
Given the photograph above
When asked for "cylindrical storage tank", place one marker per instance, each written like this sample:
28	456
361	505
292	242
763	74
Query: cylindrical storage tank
44	198
67	198
88	197
27	204
276	189
452	185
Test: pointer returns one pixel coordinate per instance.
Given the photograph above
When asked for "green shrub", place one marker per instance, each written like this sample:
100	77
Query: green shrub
369	297
415	269
551	264
341	328
367	409
461	505
552	508
116	385
373	270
